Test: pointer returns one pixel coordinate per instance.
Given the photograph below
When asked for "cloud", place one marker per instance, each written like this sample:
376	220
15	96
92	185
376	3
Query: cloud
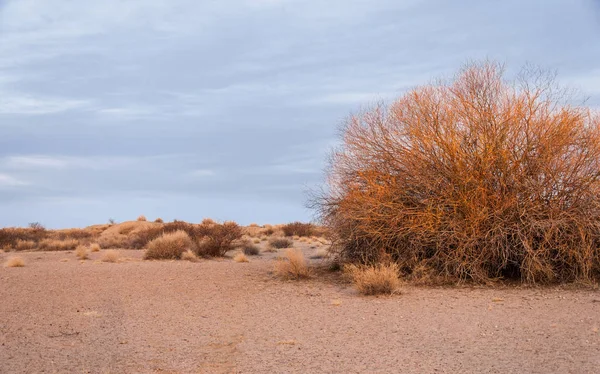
9	181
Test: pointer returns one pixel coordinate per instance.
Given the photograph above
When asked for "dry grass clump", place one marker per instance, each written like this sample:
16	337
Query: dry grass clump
14	262
240	257
142	218
250	249
278	242
293	266
477	178
320	253
298	229
256	240
159	220
81	252
58	245
95	247
189	256
375	279
169	246
111	255
25	245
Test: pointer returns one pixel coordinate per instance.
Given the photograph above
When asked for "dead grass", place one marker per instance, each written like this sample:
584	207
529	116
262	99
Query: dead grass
58	245
320	253
25	245
256	240
298	229
95	247
250	249
111	255
374	279
159	220
142	218
293	266
14	262
189	256
81	252
169	246
240	257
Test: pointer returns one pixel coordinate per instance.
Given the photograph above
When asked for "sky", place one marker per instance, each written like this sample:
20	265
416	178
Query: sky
185	109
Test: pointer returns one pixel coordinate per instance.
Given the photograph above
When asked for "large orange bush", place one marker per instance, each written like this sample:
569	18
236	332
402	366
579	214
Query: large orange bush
472	179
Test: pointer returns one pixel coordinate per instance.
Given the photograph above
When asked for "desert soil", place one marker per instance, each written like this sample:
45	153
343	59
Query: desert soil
61	315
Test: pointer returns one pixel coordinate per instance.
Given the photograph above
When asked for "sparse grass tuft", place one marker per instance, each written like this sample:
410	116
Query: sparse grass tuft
169	246
375	279
240	257
81	252
14	262
58	245
189	256
95	247
111	255
142	218
159	220
293	266
256	240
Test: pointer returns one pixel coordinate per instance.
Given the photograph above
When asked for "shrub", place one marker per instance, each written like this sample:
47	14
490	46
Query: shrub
142	218
477	178
111	255
280	242
58	245
216	239
9	236
169	246
256	240
250	249
240	257
298	229
14	262
293	266
374	279
95	247
81	252
159	220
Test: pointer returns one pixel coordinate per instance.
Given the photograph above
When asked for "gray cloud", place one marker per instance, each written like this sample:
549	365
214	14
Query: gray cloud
188	109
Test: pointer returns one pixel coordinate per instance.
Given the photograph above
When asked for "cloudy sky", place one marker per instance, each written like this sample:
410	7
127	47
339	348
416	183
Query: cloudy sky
226	109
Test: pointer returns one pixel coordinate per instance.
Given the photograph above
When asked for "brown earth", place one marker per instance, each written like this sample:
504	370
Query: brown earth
219	316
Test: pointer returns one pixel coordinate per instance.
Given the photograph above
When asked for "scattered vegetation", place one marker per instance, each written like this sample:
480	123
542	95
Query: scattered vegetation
478	178
374	279
142	218
169	246
95	247
189	256
14	262
58	244
159	220
293	266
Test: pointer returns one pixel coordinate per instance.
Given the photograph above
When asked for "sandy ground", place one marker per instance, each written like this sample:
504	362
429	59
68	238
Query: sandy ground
219	316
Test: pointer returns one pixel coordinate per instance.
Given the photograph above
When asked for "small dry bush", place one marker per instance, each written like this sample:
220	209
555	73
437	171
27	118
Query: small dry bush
111	255
250	249
14	262
256	240
477	178
189	256
58	245
25	245
95	247
169	246
293	266
280	242
217	239
240	257
159	220
142	218
375	279
298	229
9	236
81	252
